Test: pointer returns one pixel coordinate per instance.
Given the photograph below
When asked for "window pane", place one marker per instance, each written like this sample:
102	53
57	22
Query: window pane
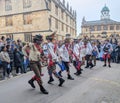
9	21
8	5
56	10
28	37
105	27
62	14
56	23
98	28
27	3
111	27
49	4
117	27
92	28
27	18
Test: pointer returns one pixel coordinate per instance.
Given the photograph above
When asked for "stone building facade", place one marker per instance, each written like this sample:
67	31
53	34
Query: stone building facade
103	28
22	19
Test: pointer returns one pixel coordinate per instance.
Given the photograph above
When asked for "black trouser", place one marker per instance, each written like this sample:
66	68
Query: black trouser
74	64
88	60
11	66
66	66
118	58
17	69
5	68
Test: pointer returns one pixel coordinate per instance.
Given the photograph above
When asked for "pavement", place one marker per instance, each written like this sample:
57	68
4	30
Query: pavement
97	85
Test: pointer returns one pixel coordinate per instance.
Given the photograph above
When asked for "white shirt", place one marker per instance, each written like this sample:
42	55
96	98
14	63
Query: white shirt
64	53
89	49
51	51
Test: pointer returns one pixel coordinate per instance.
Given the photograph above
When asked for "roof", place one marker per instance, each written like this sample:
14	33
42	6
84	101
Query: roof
100	22
105	8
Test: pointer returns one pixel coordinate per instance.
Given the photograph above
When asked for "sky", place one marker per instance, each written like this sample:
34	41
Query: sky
91	9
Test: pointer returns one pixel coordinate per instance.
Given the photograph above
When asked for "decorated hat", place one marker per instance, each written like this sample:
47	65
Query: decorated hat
51	36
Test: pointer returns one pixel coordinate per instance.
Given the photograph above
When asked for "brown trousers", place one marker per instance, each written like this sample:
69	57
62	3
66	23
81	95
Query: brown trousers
36	67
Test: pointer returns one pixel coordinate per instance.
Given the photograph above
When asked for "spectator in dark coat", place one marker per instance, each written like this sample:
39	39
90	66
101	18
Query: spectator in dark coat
17	61
117	49
10	52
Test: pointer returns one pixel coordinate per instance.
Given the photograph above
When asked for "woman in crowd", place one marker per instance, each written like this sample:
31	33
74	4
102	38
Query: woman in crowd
4	56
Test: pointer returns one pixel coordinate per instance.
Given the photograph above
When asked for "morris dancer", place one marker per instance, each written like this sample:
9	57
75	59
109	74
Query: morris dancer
95	52
76	56
64	49
52	59
107	53
89	50
35	58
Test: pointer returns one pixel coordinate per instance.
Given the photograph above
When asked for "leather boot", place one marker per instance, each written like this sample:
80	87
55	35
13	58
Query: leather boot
78	73
69	77
31	82
104	65
61	82
51	80
42	89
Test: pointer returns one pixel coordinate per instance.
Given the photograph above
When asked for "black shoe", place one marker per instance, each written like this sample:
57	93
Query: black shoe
42	89
91	67
61	82
51	80
78	73
69	77
104	65
31	82
60	74
109	66
87	67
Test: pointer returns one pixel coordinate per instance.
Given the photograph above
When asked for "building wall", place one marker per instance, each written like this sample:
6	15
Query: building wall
66	24
42	20
87	31
18	6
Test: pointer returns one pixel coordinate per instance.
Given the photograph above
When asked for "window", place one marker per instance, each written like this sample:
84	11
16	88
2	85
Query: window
71	21
56	10
66	28
50	24
92	28
66	18
62	14
27	3
62	26
111	27
27	18
49	4
28	37
8	5
56	23
98	28
117	27
105	27
9	21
